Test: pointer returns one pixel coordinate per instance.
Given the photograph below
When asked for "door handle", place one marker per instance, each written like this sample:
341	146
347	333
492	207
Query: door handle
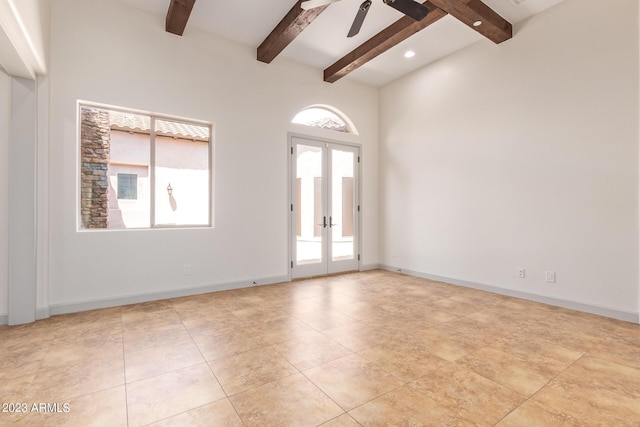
331	224
324	222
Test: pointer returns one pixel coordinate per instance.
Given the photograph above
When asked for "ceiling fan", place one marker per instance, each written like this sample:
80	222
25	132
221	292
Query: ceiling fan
410	8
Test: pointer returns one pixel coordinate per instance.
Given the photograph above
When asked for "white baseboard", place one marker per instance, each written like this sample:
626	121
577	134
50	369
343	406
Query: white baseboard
613	313
54	309
75	307
41	313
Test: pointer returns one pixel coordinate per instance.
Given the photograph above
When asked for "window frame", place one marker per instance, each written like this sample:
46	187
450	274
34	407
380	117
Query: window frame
153	116
128	175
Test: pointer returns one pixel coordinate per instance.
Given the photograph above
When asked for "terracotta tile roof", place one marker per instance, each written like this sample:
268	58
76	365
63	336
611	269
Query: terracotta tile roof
163	127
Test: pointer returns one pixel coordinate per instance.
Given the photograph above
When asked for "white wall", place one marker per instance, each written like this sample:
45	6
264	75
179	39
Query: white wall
106	52
5	102
35	16
24	29
521	155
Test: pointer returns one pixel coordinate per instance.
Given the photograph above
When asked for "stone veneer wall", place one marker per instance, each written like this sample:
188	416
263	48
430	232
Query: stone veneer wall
95	134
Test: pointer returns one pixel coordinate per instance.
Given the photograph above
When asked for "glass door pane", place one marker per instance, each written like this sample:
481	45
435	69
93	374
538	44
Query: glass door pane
309	215
324	201
343	206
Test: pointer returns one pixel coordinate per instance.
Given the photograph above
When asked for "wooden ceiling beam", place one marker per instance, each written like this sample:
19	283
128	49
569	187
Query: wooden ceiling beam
178	15
287	30
395	33
493	26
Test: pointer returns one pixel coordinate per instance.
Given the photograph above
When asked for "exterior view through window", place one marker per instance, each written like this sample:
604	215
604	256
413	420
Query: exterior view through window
322	117
142	171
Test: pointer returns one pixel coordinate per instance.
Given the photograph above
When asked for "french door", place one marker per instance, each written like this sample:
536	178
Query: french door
324	207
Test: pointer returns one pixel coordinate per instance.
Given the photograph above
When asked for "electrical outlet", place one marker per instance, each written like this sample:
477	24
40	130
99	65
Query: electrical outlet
521	273
186	270
550	276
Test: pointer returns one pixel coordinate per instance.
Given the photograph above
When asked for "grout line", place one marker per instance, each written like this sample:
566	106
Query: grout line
124	368
224	308
541	388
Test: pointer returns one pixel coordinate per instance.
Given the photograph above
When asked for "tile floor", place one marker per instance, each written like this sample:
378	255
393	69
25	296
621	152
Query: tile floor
373	348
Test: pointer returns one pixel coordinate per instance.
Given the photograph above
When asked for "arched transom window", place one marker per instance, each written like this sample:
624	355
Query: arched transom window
325	117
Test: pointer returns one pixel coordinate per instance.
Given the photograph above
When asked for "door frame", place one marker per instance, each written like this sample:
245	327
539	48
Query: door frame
290	212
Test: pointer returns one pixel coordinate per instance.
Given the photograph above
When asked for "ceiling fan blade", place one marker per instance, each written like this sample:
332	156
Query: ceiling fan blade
410	8
357	22
312	4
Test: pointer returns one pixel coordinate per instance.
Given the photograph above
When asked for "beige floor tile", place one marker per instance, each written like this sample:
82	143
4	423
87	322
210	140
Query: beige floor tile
220	413
299	306
160	397
344	420
154	361
203	326
250	369
14	389
68	381
577	368
595	391
60	355
358	310
453	306
19	362
205	303
500	321
103	408
310	350
72	328
468	394
333	299
532	414
446	346
563	331
406	407
402	360
146	307
39	334
476	334
140	320
325	319
538	352
358	336
94	336
509	370
260	314
352	380
222	344
244	301
617	351
278	330
271	404
140	339
206	314
629	333
476	298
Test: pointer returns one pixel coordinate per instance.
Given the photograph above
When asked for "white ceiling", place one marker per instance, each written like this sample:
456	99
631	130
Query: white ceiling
324	41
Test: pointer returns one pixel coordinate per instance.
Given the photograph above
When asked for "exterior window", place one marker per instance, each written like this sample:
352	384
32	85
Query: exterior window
127	186
139	170
323	117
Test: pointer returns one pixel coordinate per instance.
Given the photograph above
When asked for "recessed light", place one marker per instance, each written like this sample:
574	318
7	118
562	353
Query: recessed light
409	54
477	23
